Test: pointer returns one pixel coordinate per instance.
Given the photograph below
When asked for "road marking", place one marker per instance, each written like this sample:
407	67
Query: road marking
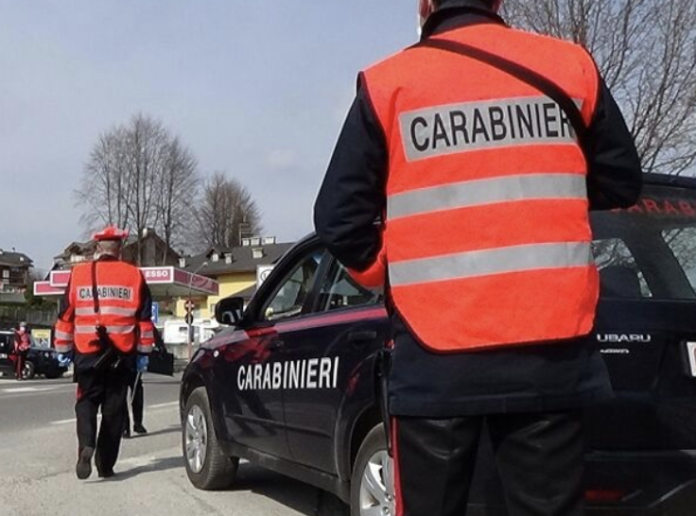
63	421
27	389
147	407
163	405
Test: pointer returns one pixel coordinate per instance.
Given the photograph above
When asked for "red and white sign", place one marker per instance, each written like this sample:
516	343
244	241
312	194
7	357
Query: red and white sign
59	278
199	284
163	281
158	274
44	288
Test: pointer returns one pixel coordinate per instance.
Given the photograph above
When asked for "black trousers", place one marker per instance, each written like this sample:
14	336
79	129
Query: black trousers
135	384
539	458
106	390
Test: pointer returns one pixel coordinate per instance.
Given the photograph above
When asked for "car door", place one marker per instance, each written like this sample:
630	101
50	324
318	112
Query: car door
347	324
6	351
248	369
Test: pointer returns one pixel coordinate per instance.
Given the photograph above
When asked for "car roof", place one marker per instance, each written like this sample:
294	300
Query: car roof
670	180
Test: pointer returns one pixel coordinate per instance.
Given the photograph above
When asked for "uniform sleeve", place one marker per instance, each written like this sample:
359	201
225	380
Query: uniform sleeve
352	197
144	317
614	177
64	334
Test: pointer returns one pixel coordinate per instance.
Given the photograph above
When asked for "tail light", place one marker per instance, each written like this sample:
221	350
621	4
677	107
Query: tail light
604	495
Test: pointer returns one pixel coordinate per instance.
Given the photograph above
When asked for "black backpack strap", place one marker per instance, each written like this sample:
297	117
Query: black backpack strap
535	79
95	290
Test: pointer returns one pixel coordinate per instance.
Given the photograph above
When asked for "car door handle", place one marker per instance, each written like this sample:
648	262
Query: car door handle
361	337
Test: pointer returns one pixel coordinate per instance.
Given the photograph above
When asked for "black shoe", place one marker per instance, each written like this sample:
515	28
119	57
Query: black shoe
126	434
139	429
108	473
83	468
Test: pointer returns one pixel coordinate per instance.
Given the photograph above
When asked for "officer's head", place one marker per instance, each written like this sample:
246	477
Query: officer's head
427	7
110	242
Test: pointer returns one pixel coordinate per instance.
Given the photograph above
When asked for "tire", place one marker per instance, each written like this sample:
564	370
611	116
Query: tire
372	481
28	371
52	374
207	465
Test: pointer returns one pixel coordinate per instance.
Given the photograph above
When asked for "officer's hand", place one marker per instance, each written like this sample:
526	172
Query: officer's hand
141	363
63	360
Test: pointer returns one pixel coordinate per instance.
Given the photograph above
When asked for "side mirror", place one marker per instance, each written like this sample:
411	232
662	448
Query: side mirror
229	311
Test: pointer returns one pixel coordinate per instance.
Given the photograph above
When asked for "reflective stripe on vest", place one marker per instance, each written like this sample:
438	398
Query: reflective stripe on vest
118	330
64	335
105	310
144	348
491	261
479	192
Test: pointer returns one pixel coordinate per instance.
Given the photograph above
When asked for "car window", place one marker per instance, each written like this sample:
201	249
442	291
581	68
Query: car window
618	272
6	343
682	242
289	297
649	250
340	290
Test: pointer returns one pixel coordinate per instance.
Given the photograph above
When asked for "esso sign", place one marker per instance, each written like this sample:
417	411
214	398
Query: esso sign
158	274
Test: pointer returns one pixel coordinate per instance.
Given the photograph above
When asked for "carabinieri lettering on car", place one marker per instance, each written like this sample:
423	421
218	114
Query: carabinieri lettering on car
314	373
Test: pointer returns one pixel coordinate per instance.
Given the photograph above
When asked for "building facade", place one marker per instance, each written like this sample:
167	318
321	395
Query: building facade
15	270
235	270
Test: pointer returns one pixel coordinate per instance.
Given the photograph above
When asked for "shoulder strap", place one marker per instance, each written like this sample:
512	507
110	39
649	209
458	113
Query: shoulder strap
95	290
518	71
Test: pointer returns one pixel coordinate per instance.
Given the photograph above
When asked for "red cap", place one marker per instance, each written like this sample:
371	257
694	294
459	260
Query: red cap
111	233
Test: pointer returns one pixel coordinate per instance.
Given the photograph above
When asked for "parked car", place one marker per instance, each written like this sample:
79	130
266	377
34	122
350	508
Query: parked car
39	360
292	384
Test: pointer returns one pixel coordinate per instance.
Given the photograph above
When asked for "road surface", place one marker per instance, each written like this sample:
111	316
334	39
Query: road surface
38	453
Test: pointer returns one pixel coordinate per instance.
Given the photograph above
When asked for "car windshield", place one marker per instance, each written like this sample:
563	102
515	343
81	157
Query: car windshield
649	250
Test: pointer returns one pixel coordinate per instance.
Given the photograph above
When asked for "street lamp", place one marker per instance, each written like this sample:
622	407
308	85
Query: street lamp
189	310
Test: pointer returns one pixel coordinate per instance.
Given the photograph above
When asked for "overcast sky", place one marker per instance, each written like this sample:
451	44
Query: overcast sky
257	89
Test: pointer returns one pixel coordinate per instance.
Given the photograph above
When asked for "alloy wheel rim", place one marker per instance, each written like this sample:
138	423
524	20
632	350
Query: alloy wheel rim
377	486
196	432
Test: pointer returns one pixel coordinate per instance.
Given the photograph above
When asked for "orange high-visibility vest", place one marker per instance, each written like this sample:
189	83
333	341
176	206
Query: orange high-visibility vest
487	236
119	287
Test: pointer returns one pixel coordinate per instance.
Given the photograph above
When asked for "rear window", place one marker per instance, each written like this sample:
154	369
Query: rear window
649	250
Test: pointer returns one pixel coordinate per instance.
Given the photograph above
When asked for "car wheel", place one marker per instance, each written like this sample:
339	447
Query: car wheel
52	374
28	370
207	465
372	482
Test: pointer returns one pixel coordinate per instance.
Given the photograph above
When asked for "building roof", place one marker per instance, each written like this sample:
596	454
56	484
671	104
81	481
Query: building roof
236	259
88	248
15	259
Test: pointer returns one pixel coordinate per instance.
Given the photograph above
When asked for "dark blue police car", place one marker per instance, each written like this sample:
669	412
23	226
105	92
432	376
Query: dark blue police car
292	383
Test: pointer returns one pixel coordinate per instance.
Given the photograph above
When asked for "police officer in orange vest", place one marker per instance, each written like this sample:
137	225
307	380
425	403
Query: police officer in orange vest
481	151
106	323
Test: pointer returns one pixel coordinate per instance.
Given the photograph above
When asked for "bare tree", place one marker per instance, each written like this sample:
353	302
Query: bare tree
646	50
175	192
226	212
138	176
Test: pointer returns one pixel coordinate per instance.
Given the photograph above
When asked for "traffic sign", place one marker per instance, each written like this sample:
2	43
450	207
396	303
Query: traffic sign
189	305
189	318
